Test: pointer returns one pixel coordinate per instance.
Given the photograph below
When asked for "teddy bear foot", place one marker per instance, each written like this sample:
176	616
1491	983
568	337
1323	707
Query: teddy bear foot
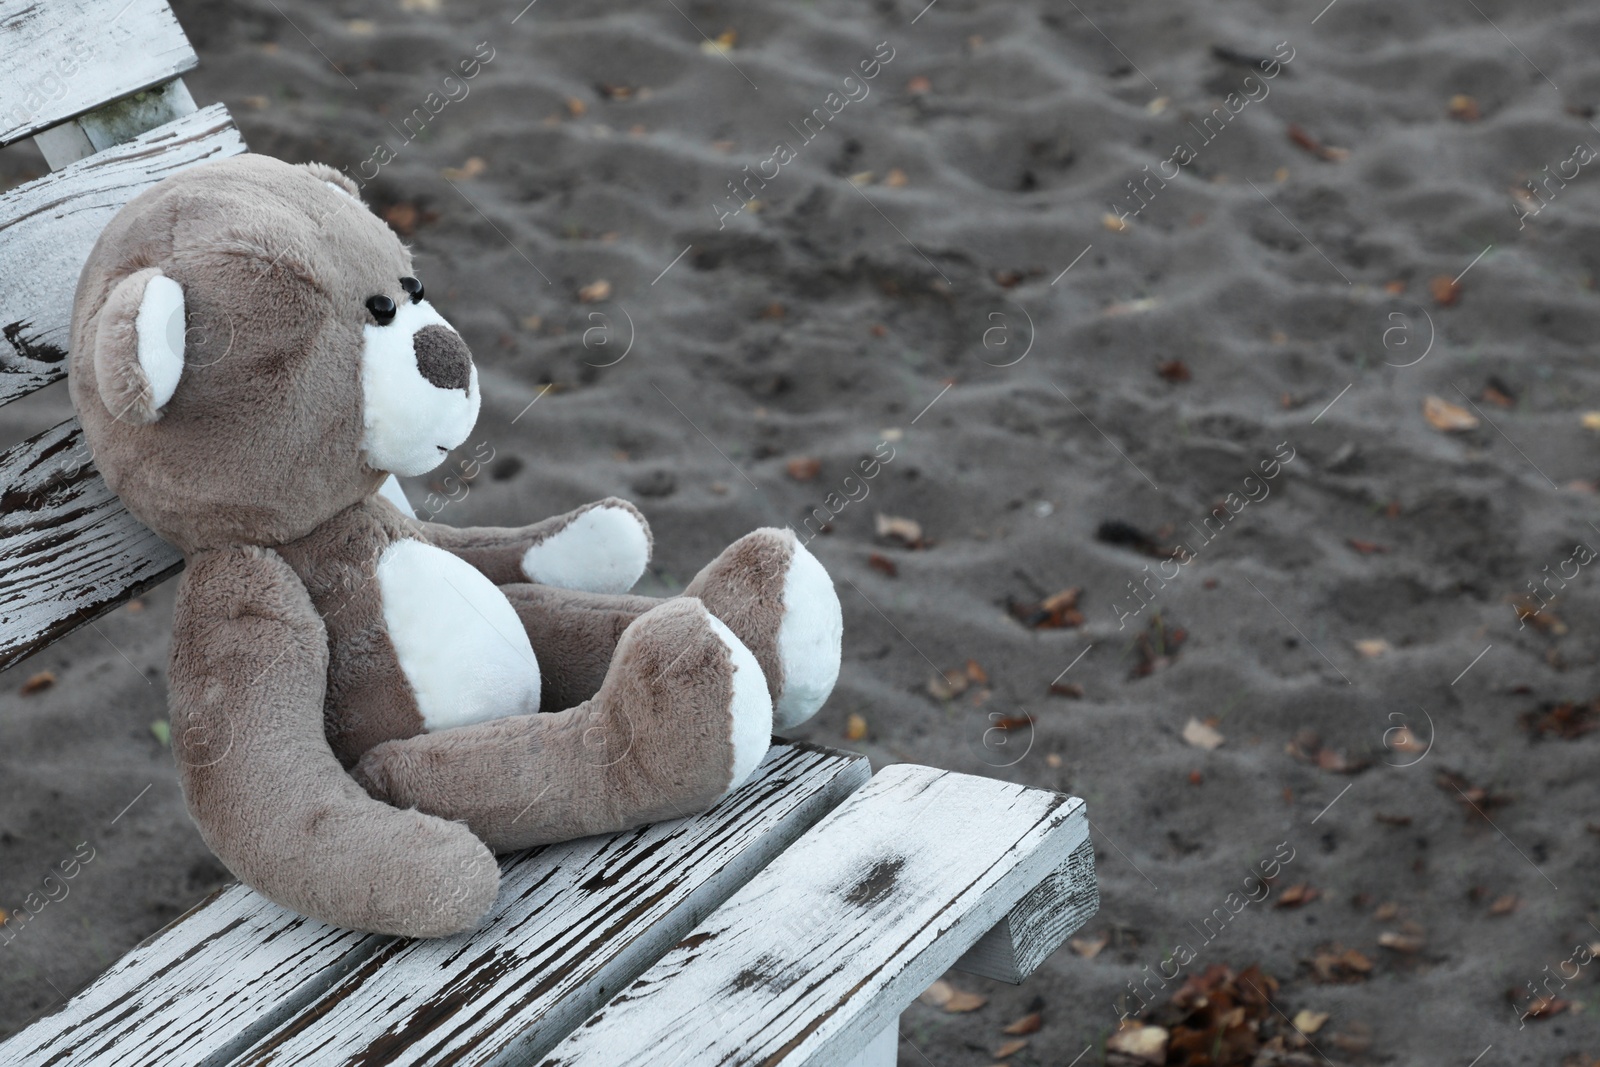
682	719
781	602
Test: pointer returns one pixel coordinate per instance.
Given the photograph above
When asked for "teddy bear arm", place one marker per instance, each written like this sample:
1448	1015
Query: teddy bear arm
247	682
602	547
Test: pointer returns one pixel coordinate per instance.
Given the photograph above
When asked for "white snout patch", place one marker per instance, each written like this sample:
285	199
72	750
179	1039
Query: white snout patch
751	707
159	327
411	424
459	640
809	640
604	550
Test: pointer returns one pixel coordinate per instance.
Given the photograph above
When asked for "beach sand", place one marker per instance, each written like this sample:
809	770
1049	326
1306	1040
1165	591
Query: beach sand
930	278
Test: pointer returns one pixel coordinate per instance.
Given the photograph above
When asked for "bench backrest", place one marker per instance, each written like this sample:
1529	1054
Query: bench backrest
95	83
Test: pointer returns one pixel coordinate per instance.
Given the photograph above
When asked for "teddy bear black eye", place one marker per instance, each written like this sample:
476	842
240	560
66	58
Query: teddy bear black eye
382	308
414	287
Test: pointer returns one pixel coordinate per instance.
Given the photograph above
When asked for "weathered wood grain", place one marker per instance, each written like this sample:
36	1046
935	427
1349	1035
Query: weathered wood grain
813	959
65	57
48	226
105	127
70	549
1039	924
228	969
574	924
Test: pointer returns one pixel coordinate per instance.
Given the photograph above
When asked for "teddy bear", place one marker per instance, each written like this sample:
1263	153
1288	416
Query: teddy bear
365	707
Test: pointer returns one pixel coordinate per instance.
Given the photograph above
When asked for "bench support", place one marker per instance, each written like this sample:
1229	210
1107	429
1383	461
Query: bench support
881	1051
114	124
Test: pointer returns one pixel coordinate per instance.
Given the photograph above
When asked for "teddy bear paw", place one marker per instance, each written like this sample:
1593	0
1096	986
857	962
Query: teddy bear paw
779	600
602	548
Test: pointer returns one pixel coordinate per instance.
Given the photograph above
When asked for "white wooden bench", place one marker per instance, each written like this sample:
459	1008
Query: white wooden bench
791	924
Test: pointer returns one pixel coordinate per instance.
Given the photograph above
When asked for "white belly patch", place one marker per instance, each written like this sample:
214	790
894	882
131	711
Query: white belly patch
460	643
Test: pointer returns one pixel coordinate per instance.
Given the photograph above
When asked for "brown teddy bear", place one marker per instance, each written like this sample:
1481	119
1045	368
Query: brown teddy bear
365	706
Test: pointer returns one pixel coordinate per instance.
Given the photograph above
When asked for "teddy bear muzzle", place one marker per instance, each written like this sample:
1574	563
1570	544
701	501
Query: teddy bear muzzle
419	389
442	358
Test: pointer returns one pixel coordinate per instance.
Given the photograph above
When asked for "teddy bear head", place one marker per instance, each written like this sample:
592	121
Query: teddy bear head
252	353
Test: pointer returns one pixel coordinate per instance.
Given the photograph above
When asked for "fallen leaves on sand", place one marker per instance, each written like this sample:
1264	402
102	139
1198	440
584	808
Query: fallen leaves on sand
1541	1008
804	468
1309	1022
855	727
919	85
1137	1044
722	45
404	217
1088	947
1308	747
38	683
1445	289
595	292
1447	417
1464	108
883	564
1132	307
1297	895
1157	646
1474	799
613	91
473	167
1333	964
1117	532
1504	905
1174	370
948	998
861	178
576	107
1366	548
908	532
1070	690
947	685
1115	223
896	178
1567	720
1055	612
1498	393
1372	647
1201	736
1304	140
1218	1018
1028	1024
1011	1048
1396	941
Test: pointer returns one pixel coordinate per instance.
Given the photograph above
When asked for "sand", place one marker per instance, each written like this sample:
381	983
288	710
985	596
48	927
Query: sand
929	278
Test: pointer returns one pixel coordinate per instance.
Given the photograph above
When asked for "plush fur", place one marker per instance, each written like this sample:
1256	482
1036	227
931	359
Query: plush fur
327	753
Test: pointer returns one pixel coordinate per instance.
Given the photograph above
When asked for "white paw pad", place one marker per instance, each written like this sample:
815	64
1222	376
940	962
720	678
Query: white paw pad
604	550
751	706
809	640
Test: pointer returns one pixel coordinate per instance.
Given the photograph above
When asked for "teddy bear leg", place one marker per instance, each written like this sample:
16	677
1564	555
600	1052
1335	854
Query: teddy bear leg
780	601
574	634
682	718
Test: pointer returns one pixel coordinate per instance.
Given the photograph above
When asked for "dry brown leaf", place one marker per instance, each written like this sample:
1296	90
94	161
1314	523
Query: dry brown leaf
1304	140
918	85
473	167
1140	1044
1296	895
879	562
961	1002
907	531
1089	947
1174	370
1115	223
1028	1024
1011	1048
804	468
976	673
1447	417
855	727
1053	759
38	682
1071	690
1386	911
595	291
1504	905
1445	289
1309	1022
1399	942
1200	735
1464	108
1373	647
896	178
947	685
938	994
1366	548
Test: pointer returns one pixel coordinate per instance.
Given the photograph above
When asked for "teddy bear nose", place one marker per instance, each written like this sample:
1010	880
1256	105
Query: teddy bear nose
443	357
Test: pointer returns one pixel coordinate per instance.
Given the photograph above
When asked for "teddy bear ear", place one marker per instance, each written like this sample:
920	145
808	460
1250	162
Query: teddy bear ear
138	346
338	179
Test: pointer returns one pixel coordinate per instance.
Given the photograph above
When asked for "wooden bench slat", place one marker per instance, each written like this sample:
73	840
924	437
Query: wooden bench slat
65	57
1041	921
819	953
49	225
71	550
574	924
